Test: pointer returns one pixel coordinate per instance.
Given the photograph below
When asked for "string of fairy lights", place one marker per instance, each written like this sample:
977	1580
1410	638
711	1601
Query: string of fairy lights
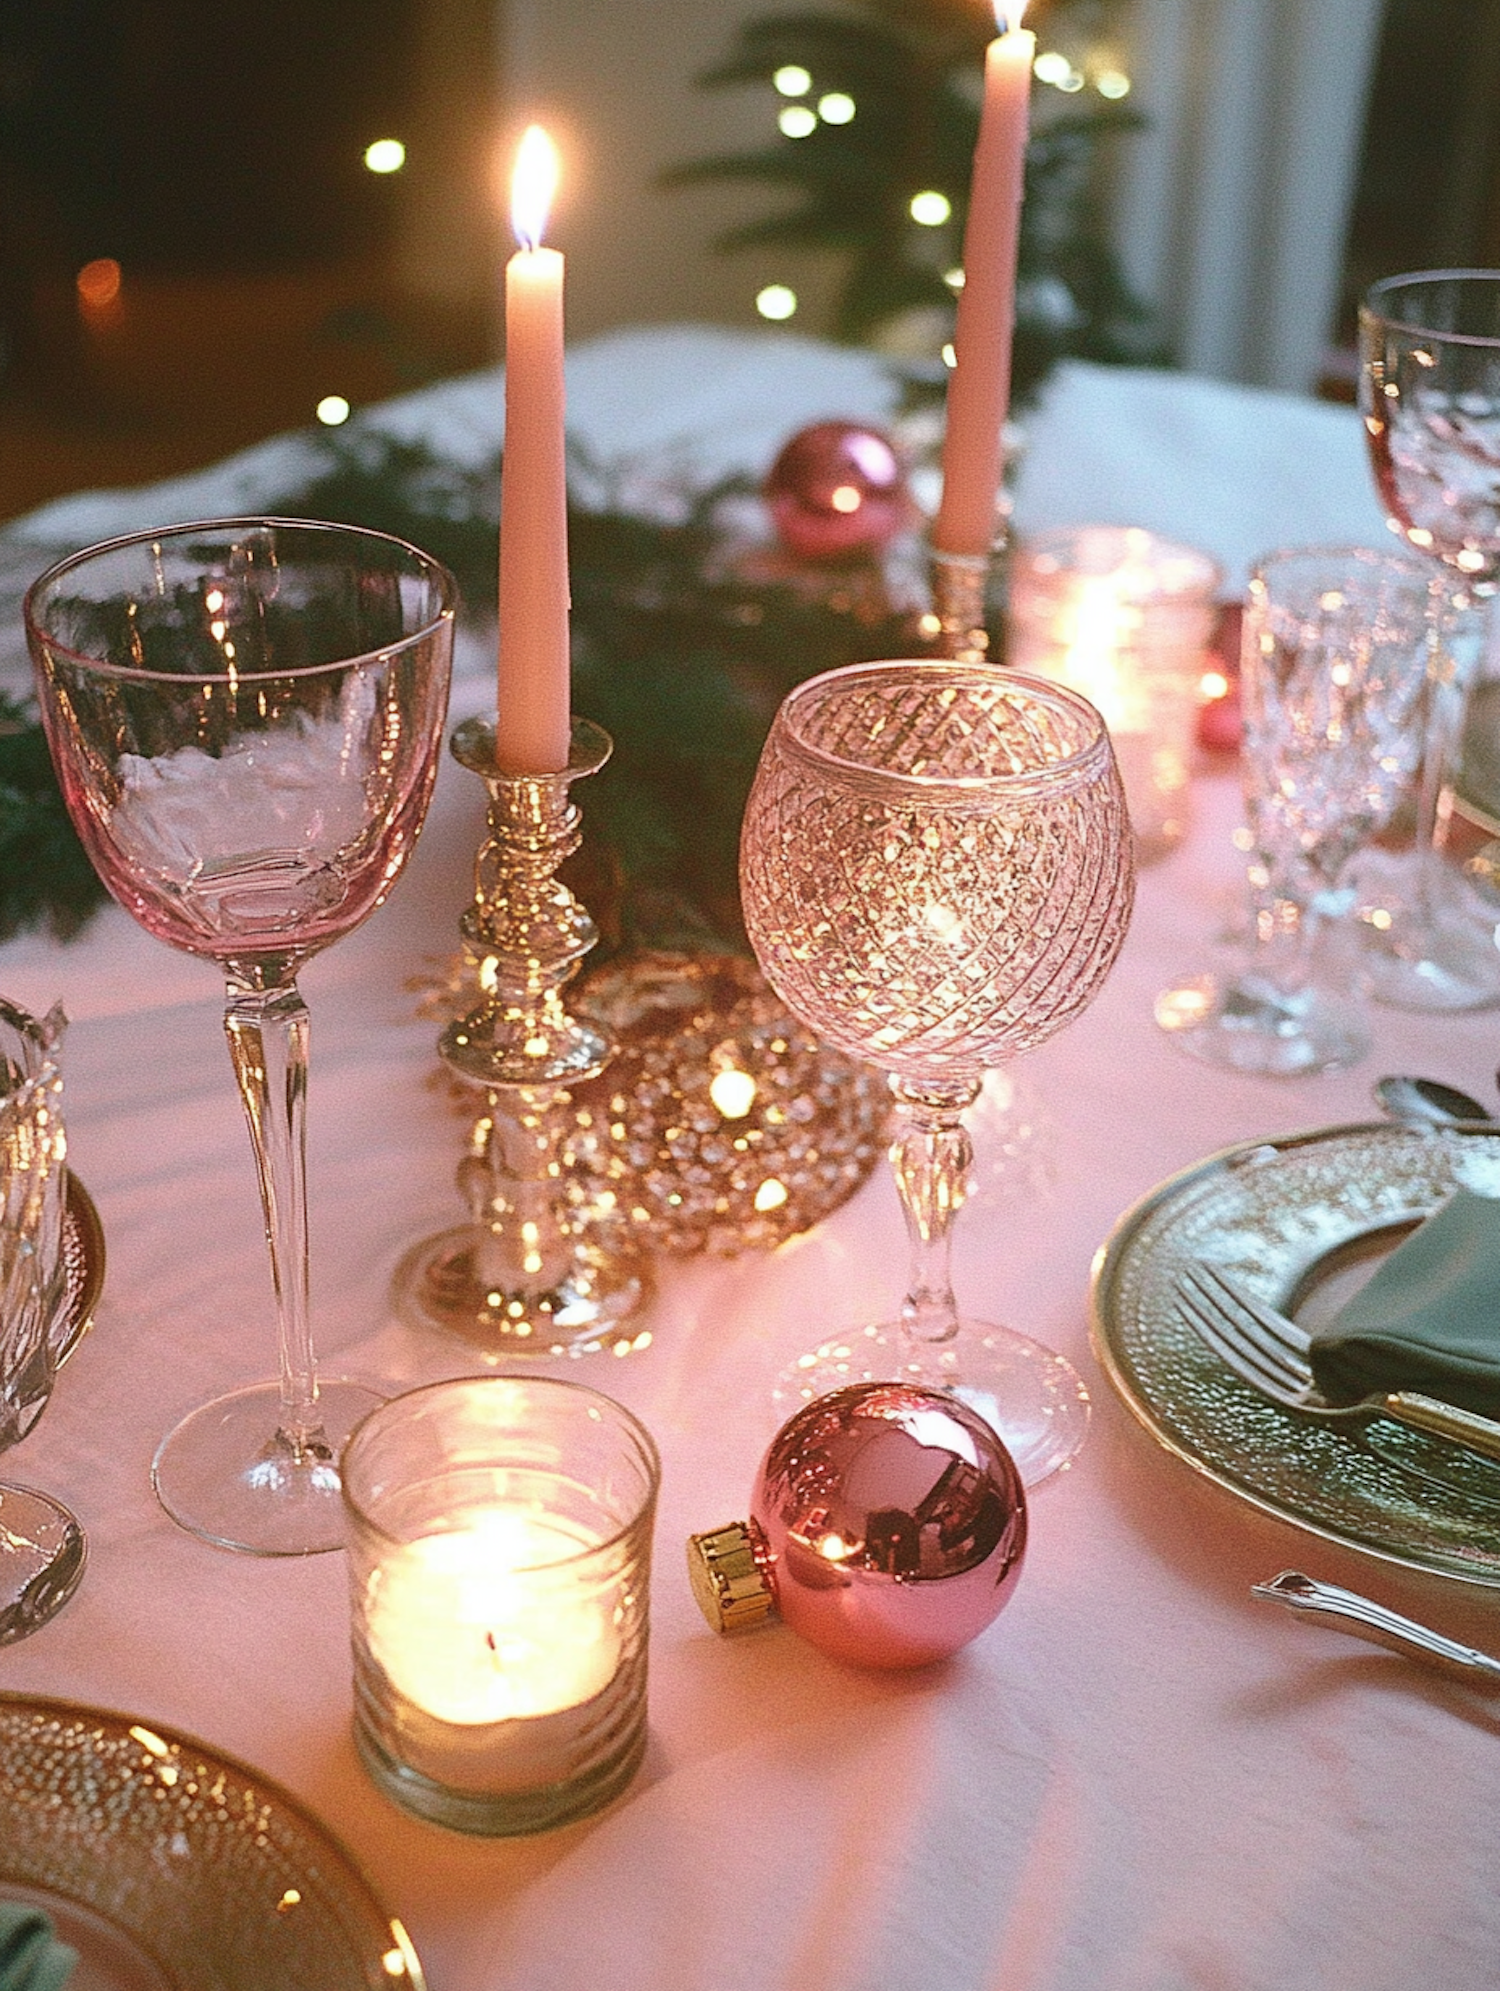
801	108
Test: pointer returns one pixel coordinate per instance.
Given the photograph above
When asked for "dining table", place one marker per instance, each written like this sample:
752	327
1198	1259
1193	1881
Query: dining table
1139	1777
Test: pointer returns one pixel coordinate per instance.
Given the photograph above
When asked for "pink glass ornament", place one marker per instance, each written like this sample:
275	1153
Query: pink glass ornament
887	1527
836	490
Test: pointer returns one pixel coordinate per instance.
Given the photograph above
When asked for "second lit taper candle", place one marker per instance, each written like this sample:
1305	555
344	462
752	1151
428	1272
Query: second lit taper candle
532	726
979	388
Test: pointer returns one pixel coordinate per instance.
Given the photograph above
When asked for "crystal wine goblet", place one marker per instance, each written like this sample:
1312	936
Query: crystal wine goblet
936	874
1430	396
1336	647
245	716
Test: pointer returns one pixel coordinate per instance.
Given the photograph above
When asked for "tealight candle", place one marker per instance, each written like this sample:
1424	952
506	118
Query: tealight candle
1124	617
499	1555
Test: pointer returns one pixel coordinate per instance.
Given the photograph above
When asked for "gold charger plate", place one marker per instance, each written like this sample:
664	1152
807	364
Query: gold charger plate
174	1868
1297	1221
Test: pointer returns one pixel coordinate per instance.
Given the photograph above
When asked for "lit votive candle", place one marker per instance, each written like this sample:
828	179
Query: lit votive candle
499	1560
1124	617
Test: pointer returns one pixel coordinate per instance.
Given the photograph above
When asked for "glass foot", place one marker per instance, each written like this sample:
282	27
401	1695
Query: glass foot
225	1473
1031	1396
1429	941
439	1283
1244	1023
42	1553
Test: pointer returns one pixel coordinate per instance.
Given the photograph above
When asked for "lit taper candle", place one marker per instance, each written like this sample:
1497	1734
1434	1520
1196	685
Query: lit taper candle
979	386
532	728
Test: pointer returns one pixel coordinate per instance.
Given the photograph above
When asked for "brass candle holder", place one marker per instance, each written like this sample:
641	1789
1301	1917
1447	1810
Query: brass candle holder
959	582
523	1277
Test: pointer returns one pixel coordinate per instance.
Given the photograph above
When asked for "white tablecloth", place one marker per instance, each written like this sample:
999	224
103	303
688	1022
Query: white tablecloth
1137	1779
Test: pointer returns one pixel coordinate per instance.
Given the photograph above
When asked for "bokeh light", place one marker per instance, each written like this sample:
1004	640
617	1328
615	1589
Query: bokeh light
930	208
386	155
99	282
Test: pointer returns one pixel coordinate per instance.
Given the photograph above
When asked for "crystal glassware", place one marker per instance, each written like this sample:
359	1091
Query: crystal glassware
1336	649
936	874
245	717
42	1547
1430	397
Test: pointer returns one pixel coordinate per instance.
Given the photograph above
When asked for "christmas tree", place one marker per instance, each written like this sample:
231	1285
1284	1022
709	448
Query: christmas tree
877	120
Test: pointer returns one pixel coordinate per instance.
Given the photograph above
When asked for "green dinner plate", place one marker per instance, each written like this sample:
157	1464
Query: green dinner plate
1296	1221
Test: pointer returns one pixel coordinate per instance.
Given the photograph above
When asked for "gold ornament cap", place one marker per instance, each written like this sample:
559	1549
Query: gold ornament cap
732	1589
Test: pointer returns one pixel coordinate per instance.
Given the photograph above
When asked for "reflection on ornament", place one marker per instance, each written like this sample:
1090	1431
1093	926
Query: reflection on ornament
887	1527
722	1124
837	491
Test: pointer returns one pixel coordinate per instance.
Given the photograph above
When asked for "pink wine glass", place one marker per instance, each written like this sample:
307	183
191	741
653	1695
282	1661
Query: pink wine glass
245	717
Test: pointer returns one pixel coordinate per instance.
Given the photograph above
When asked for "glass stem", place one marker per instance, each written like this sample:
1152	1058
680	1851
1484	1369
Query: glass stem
1451	667
267	1029
1286	930
931	1156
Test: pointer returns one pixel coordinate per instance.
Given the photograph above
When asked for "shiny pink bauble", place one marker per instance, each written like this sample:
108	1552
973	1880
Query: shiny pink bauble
892	1524
835	490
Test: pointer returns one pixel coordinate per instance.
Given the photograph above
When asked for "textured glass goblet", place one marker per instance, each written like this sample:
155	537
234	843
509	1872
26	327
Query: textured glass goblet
936	874
245	717
1430	396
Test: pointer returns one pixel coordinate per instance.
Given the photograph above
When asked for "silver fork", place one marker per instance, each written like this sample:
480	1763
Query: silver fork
1270	1353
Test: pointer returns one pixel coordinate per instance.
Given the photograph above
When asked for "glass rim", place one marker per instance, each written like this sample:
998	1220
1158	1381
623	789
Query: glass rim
1393	560
1373	308
426	563
1070	767
626	1421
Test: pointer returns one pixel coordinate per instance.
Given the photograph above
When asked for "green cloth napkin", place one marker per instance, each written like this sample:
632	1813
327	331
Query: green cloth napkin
31	1957
1429	1320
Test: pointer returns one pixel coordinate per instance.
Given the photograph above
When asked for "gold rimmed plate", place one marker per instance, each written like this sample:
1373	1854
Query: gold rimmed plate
1298	1221
170	1867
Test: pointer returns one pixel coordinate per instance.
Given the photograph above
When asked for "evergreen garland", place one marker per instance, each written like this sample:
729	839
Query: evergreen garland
46	878
680	658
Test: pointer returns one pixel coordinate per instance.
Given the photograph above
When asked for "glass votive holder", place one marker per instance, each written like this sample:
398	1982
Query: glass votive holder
1125	617
499	1533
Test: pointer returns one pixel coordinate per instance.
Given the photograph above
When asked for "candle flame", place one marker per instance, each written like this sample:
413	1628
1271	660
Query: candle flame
532	186
1008	15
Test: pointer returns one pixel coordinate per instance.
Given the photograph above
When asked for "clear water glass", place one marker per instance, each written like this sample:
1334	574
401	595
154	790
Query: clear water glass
1430	398
1341	650
42	1546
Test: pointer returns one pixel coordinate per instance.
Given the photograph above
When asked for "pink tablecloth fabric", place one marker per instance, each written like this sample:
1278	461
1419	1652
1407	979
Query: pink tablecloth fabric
1137	1780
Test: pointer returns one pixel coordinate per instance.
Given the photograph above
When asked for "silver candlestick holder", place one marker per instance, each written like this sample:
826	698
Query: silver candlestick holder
523	1277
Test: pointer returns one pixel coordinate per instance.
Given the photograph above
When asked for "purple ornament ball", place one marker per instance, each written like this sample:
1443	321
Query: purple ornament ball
893	1524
